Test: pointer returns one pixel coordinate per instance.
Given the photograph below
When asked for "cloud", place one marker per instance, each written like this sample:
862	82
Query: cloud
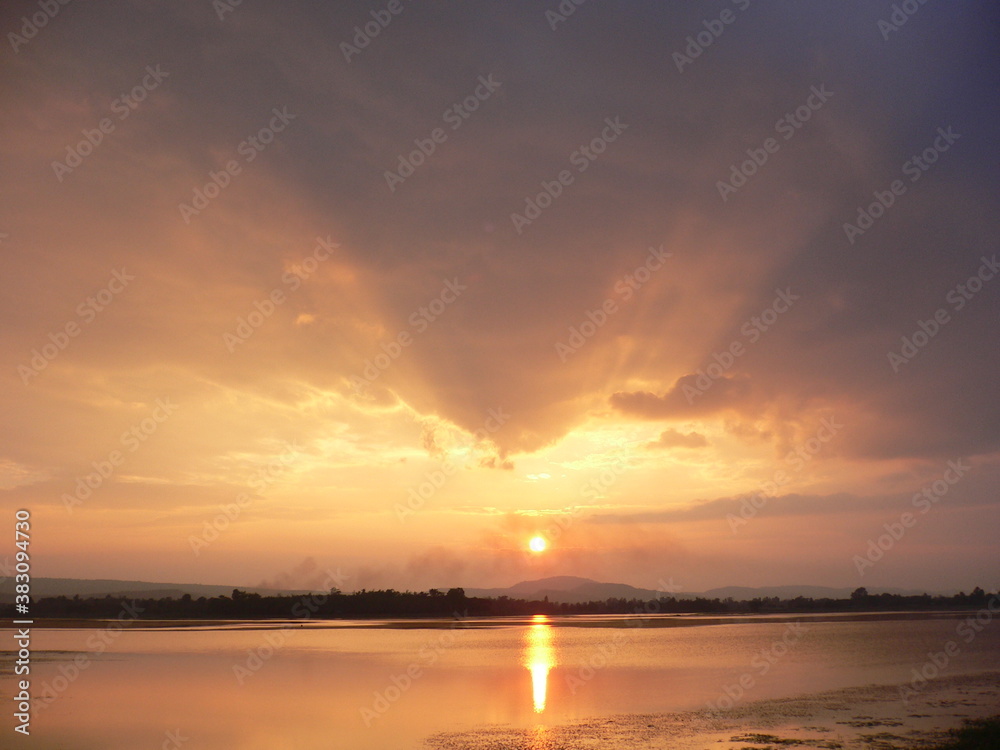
691	395
673	439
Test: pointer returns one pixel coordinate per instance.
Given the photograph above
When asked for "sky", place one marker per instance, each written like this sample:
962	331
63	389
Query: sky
702	293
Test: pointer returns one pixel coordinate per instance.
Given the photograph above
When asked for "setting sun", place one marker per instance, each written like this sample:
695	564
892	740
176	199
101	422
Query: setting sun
537	544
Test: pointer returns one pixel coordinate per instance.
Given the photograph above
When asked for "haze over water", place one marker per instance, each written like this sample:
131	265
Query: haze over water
320	688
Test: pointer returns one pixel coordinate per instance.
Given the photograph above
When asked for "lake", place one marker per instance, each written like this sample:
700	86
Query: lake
378	685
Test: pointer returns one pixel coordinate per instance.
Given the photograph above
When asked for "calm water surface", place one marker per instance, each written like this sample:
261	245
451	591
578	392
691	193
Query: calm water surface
388	687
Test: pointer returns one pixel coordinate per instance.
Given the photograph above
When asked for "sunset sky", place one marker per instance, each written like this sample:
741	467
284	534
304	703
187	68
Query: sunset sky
270	272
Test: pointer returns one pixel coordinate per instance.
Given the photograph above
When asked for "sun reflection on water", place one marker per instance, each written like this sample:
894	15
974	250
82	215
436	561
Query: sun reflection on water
539	658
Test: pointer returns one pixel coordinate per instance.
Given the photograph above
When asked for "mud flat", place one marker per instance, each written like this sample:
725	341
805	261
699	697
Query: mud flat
862	718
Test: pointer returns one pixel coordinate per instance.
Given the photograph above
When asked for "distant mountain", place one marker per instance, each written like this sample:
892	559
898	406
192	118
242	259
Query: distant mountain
569	589
790	592
136	589
555	583
573	589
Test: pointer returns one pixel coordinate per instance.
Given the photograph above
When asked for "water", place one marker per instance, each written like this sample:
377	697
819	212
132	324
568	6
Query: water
383	686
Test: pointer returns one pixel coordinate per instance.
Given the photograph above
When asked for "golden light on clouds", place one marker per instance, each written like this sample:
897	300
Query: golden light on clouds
594	393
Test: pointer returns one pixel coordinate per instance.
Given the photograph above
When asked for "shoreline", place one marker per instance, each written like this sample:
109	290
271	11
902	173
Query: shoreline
592	621
855	718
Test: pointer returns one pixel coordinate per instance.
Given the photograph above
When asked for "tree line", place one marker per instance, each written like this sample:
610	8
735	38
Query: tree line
390	603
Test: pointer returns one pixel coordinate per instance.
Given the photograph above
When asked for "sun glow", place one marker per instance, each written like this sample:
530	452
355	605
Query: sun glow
537	544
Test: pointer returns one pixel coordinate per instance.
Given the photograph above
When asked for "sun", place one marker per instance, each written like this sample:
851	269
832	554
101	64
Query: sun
537	544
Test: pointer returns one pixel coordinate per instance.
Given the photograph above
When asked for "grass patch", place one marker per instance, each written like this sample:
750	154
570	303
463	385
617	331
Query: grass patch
770	739
978	734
